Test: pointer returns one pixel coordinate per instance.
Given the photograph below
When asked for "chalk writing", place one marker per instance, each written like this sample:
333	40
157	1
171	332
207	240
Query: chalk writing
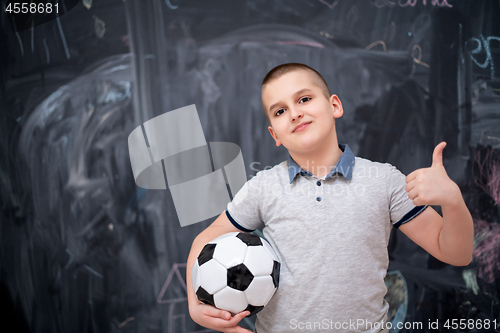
173	271
327	35
61	32
390	33
353	15
123	323
170	5
87	3
18	38
417	59
46	50
314	44
32	39
379	42
330	5
405	3
486	44
172	302
99	26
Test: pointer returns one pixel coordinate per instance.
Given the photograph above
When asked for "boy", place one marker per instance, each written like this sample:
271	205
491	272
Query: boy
328	215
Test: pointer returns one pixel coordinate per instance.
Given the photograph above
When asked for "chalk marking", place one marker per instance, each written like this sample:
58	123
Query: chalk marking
314	44
412	3
123	323
32	37
418	61
61	32
174	270
87	3
170	5
332	5
352	15
18	38
99	26
379	42
46	50
487	49
93	271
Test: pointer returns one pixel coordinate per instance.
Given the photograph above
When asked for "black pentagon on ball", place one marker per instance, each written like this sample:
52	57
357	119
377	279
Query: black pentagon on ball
276	273
253	309
205	297
206	254
239	277
249	239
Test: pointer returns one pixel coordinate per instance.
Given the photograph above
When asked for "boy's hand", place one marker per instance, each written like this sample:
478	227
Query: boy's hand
432	186
216	319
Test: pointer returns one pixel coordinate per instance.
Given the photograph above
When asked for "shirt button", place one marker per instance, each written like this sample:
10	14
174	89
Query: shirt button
318	183
318	198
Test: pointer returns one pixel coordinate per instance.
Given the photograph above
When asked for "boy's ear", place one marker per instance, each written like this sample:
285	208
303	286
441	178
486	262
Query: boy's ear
278	142
338	110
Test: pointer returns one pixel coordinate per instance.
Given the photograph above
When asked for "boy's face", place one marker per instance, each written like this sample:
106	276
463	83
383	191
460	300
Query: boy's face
302	118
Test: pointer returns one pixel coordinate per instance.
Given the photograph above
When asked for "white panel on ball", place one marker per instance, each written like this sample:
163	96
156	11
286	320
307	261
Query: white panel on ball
213	276
260	290
230	252
258	261
231	300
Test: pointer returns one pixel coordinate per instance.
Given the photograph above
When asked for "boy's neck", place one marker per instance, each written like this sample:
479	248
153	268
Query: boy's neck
321	161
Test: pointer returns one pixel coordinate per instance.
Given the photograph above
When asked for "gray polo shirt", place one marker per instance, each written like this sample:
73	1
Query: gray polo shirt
331	235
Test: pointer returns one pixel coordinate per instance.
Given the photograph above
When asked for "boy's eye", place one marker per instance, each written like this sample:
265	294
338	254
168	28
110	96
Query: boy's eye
280	111
304	99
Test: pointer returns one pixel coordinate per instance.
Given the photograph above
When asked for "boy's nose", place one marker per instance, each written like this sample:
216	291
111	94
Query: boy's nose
295	114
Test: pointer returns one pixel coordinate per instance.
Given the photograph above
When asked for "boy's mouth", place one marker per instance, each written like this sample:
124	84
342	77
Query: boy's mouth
301	126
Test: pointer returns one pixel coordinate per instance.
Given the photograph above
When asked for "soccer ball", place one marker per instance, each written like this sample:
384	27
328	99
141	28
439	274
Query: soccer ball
236	272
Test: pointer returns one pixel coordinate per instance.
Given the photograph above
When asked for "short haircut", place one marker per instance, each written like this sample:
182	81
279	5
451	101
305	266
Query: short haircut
282	69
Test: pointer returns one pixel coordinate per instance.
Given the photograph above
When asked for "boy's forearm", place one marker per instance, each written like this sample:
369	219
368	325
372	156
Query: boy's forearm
457	234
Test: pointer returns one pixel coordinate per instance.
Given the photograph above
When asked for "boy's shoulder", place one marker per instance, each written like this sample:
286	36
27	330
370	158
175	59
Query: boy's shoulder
269	171
271	174
376	171
364	162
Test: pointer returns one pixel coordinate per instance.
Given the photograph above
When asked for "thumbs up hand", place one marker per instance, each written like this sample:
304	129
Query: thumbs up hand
432	186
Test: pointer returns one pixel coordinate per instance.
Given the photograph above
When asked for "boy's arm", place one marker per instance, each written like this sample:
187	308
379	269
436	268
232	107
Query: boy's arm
203	314
448	238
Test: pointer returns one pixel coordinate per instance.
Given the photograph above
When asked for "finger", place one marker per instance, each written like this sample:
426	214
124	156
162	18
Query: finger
217	313
417	201
437	155
239	316
411	176
224	319
410	186
413	194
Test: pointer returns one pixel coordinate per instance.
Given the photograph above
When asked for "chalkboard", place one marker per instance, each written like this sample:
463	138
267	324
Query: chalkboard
84	249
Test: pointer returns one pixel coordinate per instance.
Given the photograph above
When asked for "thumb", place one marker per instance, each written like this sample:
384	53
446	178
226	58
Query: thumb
437	156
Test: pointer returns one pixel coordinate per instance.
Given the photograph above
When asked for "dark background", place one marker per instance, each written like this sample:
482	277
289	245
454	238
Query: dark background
83	249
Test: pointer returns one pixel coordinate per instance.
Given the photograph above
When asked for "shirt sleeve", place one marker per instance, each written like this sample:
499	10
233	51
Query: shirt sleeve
244	211
402	209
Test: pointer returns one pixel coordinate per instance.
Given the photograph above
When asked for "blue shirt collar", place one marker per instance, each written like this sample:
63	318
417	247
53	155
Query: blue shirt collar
344	165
